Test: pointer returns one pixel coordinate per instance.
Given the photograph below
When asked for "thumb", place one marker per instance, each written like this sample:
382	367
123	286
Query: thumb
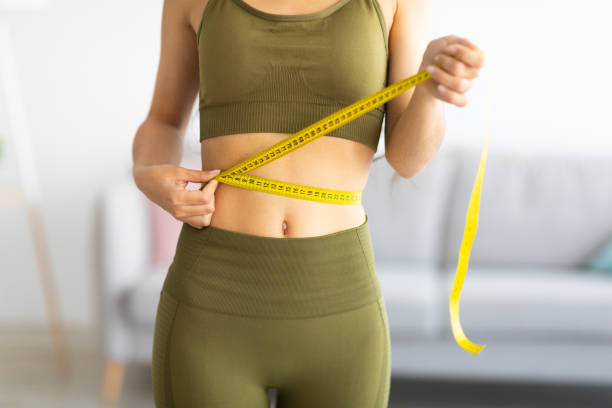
198	176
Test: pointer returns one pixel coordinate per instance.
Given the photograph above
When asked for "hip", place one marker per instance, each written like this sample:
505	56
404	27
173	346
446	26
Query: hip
252	275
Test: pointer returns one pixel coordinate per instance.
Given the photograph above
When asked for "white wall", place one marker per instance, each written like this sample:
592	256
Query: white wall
87	70
551	82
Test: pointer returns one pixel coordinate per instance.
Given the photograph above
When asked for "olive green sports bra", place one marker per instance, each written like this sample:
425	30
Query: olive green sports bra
263	72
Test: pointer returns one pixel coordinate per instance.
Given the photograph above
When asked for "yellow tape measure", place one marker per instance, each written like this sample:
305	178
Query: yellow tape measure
469	232
236	176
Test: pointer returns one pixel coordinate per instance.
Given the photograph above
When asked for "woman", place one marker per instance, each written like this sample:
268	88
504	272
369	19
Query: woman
267	291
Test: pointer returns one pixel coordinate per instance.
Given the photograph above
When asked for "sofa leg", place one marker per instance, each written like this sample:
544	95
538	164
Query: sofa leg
113	378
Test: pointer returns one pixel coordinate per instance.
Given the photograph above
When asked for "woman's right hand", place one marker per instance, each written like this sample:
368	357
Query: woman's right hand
165	185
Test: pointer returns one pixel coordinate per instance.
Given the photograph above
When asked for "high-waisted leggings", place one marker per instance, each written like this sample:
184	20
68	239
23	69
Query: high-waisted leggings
240	314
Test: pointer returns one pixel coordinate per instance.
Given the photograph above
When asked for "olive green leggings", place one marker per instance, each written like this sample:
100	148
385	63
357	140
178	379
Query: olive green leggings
239	314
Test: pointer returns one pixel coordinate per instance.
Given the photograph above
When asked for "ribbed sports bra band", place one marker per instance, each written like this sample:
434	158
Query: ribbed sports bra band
262	72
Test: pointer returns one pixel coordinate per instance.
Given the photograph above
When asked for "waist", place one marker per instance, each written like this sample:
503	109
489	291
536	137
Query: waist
327	162
262	214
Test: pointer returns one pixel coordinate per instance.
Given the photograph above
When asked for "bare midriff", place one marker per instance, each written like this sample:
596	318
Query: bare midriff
327	162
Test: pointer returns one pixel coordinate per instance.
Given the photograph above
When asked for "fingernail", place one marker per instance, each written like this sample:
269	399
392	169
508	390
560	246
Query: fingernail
437	58
441	88
215	171
452	49
431	69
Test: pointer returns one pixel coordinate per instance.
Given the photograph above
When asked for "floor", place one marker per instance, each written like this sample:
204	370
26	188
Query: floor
28	378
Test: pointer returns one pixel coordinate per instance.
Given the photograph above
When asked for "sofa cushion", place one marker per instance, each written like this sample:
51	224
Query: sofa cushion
165	230
512	303
602	261
411	297
405	215
548	210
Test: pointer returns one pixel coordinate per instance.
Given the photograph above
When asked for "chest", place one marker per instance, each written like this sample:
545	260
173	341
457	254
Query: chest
339	53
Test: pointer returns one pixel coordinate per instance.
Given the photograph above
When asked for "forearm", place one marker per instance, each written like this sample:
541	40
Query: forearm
417	135
157	142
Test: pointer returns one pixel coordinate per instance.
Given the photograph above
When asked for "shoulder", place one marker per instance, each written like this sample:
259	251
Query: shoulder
188	12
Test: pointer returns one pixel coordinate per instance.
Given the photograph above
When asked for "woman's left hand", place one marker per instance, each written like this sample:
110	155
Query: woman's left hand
455	62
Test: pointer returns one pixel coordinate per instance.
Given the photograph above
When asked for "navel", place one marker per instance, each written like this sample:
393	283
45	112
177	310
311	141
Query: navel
284	227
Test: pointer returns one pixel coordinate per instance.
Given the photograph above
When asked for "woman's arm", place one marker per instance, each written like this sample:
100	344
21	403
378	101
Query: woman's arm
415	119
158	144
159	139
414	123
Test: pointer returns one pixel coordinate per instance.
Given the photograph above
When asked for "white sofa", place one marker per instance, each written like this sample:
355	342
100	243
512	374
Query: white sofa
527	294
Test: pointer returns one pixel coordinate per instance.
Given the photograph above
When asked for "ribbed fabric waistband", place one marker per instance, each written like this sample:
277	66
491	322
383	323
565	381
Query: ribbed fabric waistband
250	275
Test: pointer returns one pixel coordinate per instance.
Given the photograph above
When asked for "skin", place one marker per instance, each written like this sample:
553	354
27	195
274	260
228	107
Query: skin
413	132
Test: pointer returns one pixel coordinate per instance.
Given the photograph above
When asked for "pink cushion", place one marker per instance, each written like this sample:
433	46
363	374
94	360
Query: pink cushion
165	230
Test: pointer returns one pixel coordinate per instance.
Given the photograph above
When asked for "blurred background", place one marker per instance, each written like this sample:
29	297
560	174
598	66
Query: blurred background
83	260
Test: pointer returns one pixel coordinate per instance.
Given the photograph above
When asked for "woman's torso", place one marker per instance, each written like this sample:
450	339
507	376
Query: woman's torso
330	162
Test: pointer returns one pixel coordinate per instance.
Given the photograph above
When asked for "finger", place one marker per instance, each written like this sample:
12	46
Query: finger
198	221
455	39
184	211
477	49
455	67
465	41
457	84
208	191
198	176
465	54
451	96
200	196
451	39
